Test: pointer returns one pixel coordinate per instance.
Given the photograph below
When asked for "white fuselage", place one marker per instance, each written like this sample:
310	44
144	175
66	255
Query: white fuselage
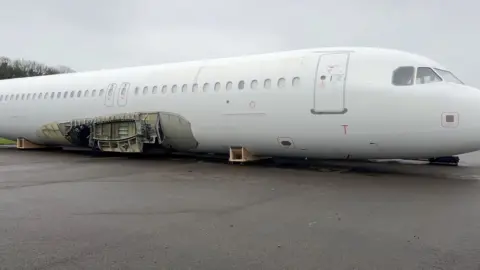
354	112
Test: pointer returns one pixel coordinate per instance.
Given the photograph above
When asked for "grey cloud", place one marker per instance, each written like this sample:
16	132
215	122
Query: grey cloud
89	35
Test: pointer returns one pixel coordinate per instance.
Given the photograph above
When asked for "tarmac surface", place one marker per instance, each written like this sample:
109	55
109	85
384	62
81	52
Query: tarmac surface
68	210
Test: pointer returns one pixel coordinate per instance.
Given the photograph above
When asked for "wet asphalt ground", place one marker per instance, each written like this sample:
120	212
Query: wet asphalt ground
68	210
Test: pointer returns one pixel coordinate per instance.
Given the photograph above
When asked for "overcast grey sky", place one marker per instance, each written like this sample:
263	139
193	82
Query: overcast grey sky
88	34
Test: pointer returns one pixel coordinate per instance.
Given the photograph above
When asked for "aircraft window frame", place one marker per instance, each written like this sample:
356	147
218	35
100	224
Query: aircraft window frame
217	86
442	72
413	74
184	88
52	95
206	87
94	92
86	93
229	86
296	81
440	79
254	84
267	84
79	93
281	83
194	88
154	89
241	85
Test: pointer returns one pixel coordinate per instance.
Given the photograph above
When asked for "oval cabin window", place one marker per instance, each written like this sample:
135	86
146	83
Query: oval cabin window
267	84
254	84
296	82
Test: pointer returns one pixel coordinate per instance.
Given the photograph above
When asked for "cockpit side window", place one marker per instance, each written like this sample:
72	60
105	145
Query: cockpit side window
448	76
426	75
403	76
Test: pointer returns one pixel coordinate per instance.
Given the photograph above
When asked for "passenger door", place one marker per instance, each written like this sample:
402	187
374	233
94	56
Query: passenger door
123	95
110	95
330	78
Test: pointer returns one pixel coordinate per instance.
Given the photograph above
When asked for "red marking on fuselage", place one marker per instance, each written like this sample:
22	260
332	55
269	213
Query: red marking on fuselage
345	129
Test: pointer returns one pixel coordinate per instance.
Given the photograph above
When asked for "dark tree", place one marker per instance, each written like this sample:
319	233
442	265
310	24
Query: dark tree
10	69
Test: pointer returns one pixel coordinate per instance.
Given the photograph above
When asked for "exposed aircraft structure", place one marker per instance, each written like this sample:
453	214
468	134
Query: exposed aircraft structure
330	103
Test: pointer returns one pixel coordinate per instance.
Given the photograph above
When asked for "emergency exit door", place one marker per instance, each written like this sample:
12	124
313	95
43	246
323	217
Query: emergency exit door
330	79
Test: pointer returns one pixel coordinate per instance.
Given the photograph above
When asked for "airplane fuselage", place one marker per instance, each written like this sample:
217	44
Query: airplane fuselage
319	103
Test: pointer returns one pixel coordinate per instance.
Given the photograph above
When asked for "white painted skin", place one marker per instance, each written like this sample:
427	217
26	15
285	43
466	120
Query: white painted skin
384	120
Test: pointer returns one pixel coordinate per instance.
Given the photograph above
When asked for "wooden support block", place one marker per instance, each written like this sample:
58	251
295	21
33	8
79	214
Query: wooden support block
241	154
23	143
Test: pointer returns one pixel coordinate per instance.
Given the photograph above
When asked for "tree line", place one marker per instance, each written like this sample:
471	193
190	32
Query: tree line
20	68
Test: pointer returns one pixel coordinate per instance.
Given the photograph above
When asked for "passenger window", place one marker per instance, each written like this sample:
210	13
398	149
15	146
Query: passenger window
155	89
39	96
174	88
281	83
254	84
145	90
86	93
426	75
28	96
34	96
137	90
65	94
1	97
241	85
23	96
59	95
229	85
17	96
46	95
52	95
194	87
94	92
267	83
205	87
184	88
101	92
217	87
296	82
403	76
72	94
79	93
164	89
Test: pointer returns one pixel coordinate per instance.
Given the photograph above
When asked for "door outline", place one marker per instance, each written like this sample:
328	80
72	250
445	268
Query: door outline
110	95
315	88
122	98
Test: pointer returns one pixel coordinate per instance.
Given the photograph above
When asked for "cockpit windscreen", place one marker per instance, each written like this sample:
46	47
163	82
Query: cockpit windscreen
448	76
